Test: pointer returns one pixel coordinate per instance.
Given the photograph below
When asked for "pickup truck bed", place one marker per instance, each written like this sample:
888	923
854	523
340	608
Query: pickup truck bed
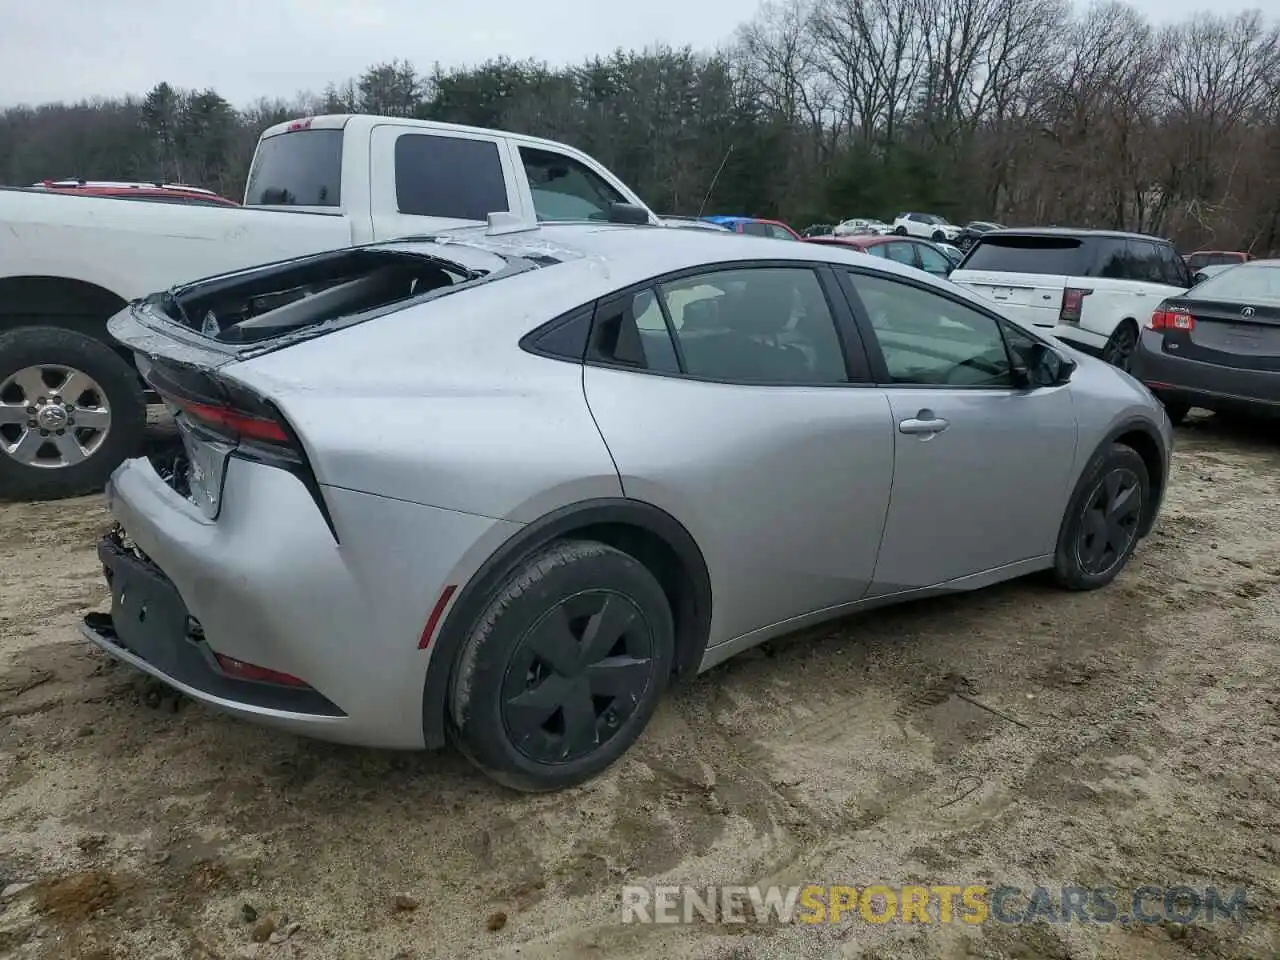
71	408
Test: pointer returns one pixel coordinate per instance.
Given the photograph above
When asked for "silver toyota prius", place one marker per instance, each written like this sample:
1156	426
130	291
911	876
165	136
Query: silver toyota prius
501	486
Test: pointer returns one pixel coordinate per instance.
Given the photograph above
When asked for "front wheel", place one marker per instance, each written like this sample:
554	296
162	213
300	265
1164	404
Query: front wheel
1100	530
564	668
900	231
938	236
70	411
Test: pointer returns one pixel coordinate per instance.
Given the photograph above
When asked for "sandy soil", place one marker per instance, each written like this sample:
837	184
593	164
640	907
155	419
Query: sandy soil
1141	745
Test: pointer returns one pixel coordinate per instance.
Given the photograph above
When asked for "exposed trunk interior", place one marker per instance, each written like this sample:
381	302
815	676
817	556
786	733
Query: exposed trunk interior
248	308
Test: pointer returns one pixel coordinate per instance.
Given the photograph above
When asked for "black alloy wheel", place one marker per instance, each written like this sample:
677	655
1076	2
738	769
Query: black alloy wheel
1102	524
1109	522
576	676
564	667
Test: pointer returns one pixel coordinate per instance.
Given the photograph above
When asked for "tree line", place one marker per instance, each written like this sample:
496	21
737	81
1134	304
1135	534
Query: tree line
1019	111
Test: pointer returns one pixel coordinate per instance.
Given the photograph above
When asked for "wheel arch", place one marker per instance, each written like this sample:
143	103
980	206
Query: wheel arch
651	535
64	302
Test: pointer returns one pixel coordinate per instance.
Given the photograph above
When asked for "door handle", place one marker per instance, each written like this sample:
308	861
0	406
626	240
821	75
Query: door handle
924	424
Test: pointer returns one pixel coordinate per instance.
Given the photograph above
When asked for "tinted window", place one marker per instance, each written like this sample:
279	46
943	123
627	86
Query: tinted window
1145	259
767	325
899	253
1039	255
1198	260
779	233
755	228
1172	269
449	177
927	339
1114	259
302	168
564	189
933	260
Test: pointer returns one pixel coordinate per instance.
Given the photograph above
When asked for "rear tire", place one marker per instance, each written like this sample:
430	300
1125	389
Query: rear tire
1120	347
44	359
564	668
1100	529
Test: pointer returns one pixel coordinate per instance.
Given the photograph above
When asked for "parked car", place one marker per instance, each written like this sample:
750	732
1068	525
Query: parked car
755	226
1217	346
973	230
954	254
908	251
1090	288
818	230
1215	258
161	192
474	486
68	262
929	226
859	226
690	223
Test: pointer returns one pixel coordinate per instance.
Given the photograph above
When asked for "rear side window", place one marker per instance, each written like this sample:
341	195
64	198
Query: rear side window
302	168
450	177
756	229
1040	255
564	189
1145	259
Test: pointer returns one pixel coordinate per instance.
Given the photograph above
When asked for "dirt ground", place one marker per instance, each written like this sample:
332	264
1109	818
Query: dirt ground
1137	741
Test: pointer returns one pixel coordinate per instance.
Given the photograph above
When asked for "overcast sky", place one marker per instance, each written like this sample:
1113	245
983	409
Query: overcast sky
250	48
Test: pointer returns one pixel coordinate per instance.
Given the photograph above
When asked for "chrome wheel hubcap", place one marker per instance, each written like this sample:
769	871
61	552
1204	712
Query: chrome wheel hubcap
52	416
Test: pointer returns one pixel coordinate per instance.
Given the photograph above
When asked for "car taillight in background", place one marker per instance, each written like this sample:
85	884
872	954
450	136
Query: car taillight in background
1072	304
1171	320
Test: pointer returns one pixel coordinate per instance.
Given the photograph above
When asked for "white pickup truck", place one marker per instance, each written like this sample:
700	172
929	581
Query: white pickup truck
71	405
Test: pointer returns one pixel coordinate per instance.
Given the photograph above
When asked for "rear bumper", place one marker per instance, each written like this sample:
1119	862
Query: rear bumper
267	584
1201	384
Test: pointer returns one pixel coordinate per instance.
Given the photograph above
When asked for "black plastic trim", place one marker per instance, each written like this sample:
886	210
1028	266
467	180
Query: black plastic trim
692	628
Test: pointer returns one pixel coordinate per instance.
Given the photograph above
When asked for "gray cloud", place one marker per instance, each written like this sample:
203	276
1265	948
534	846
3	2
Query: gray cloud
246	49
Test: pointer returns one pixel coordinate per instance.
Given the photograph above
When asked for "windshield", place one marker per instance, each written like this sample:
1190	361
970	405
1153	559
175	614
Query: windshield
1246	284
301	168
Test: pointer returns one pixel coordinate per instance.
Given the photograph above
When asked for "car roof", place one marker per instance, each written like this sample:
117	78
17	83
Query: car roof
1080	232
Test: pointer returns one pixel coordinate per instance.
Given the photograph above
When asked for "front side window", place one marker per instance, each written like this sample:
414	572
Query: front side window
779	233
565	189
930	340
449	177
756	228
759	325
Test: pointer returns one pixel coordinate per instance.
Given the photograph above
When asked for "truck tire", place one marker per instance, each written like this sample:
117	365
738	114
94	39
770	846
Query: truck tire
71	410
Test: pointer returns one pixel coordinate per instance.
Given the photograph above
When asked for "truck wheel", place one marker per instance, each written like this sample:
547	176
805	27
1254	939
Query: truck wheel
70	411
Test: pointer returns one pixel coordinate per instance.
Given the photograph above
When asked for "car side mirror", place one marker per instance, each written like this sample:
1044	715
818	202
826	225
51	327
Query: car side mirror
1198	277
1043	366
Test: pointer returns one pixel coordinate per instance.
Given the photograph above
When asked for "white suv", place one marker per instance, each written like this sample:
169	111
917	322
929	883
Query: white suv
928	226
1091	288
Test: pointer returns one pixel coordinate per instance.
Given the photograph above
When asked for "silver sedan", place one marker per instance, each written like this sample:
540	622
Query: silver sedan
503	486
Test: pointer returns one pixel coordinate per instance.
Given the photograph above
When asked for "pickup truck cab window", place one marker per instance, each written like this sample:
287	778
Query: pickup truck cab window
301	168
449	177
564	189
